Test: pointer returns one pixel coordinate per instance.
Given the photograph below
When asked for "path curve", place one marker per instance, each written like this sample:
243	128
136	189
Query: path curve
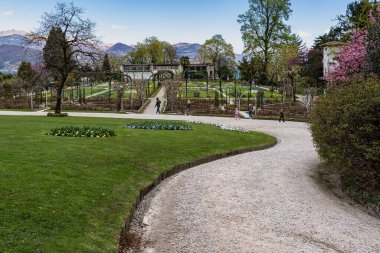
262	201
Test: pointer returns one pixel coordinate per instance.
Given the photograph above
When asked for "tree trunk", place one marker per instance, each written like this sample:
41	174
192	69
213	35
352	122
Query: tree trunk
120	94
220	89
250	91
266	61
109	88
58	106
59	99
207	86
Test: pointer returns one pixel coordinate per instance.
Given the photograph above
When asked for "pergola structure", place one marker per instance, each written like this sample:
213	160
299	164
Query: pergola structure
147	71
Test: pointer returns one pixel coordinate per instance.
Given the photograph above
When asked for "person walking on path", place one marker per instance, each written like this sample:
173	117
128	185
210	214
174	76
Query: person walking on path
188	107
282	116
250	111
158	104
237	113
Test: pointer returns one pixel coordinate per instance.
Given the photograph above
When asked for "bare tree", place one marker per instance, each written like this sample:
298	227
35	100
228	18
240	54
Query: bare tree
307	100
120	89
172	89
141	86
69	38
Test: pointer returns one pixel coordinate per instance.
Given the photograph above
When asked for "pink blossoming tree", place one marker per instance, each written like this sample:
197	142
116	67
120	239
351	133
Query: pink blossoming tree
352	59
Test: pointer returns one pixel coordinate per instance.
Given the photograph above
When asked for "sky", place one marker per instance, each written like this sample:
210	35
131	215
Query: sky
192	21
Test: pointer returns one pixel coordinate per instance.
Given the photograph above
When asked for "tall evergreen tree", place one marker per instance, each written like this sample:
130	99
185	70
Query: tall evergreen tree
27	74
185	62
58	59
106	67
249	68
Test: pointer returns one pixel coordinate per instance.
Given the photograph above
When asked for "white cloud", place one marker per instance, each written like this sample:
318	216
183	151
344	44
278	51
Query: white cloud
6	13
306	37
119	27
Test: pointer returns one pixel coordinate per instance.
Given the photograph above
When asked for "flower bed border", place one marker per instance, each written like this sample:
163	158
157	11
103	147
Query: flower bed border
159	125
86	131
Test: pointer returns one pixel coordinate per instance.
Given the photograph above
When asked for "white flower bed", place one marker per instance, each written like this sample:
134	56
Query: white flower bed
225	127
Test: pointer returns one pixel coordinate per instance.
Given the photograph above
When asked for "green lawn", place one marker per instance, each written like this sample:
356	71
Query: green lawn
202	93
61	194
226	86
101	90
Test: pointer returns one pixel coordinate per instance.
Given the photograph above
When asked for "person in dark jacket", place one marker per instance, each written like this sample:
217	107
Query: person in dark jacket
282	116
158	104
250	111
188	107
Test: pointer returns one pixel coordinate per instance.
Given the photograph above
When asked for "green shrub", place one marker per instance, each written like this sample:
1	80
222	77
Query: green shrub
346	130
159	125
72	131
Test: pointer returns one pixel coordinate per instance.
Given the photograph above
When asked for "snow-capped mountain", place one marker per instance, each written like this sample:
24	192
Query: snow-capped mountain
12	32
14	39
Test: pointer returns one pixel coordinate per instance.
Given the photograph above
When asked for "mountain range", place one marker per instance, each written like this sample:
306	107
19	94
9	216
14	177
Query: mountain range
119	49
183	49
13	50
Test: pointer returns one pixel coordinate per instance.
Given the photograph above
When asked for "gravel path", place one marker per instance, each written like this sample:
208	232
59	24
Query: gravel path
151	108
263	201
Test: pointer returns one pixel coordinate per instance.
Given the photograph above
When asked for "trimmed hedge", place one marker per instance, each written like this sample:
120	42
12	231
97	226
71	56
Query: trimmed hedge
346	130
159	125
52	114
72	131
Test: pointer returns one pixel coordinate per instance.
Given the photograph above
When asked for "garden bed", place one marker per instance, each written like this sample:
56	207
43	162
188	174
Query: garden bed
158	125
210	107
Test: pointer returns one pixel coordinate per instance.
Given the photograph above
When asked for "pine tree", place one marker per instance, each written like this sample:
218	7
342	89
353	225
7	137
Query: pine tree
58	59
106	64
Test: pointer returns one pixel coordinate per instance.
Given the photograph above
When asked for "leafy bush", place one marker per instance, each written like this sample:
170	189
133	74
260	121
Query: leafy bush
72	131
159	125
10	103
346	130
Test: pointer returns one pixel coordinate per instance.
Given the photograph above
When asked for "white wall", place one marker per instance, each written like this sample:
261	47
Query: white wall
329	62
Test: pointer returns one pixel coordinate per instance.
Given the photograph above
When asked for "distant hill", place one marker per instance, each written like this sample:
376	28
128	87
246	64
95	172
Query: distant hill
13	50
12	32
183	49
11	56
188	49
119	49
15	39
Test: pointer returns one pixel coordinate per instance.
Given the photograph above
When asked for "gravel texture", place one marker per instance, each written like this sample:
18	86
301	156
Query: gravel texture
262	201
